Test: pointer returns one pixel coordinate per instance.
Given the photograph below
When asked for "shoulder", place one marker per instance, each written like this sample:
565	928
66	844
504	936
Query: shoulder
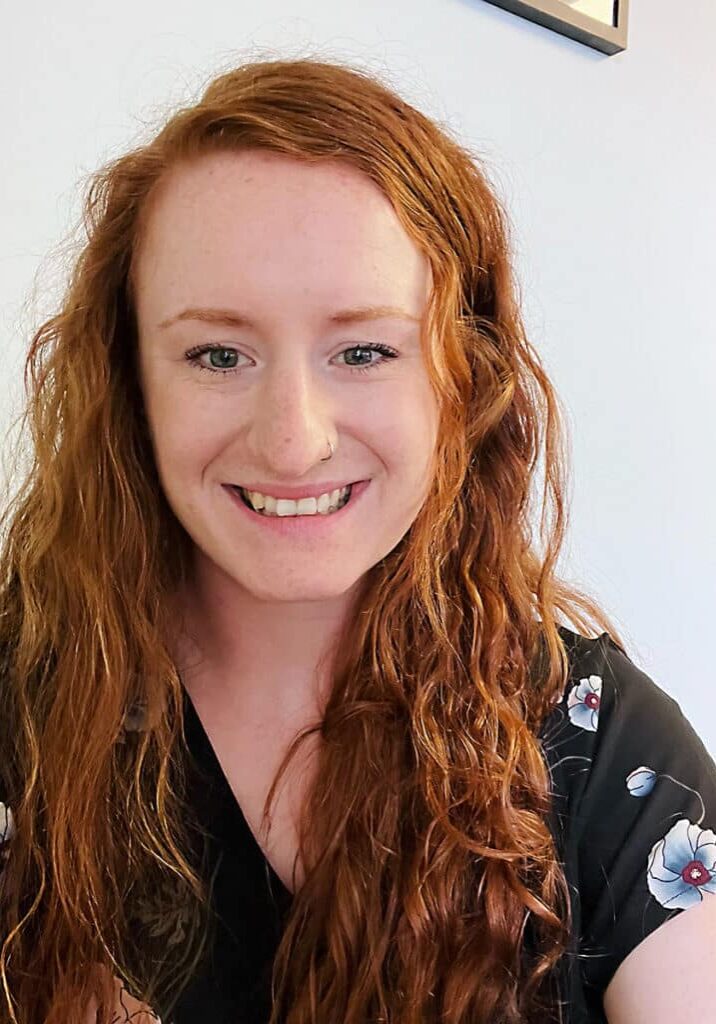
609	708
613	713
635	800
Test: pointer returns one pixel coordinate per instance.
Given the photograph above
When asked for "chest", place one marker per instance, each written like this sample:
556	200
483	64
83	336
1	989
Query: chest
250	754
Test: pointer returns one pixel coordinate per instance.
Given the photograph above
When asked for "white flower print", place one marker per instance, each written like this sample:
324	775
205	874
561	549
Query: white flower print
7	830
682	865
641	781
583	703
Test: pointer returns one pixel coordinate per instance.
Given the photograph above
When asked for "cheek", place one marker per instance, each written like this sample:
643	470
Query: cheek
407	453
184	426
415	434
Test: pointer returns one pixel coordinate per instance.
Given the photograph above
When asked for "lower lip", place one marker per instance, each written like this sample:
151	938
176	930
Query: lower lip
300	526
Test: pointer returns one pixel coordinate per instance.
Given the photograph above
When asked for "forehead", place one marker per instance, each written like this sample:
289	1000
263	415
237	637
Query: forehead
247	225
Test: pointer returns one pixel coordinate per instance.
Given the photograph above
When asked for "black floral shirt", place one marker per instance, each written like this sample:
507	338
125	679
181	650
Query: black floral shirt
634	810
633	815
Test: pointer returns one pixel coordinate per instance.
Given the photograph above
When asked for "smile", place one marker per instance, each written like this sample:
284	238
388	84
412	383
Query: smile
303	518
324	504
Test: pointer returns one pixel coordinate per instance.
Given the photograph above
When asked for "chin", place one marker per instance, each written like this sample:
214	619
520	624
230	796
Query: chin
318	587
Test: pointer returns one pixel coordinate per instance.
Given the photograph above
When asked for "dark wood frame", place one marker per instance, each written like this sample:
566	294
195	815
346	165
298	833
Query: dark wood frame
558	17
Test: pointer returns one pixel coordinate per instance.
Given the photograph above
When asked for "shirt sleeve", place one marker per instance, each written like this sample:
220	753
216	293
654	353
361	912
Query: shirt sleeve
646	849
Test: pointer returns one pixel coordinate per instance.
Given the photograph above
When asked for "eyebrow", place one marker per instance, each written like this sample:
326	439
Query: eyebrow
234	318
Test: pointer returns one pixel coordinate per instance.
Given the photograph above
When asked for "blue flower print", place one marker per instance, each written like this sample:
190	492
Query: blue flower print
682	865
641	781
583	703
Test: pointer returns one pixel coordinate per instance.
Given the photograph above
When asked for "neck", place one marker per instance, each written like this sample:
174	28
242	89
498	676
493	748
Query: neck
232	647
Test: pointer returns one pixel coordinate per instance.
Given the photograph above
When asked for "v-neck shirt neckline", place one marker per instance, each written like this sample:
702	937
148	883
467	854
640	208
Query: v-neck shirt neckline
223	815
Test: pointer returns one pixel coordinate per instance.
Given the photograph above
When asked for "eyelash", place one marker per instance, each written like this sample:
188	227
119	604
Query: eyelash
384	350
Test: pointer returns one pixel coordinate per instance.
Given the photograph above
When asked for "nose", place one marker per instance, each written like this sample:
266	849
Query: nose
291	423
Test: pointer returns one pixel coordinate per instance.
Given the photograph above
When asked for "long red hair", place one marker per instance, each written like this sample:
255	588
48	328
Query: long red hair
425	837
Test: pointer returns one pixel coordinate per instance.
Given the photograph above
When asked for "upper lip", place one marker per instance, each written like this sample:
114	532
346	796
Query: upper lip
294	493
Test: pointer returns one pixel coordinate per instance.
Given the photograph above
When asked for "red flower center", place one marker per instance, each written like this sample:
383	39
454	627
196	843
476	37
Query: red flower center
592	701
695	873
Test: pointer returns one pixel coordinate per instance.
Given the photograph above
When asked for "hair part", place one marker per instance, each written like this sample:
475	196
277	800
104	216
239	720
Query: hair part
428	855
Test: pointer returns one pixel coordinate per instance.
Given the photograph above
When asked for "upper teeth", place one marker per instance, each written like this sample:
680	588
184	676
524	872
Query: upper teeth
303	506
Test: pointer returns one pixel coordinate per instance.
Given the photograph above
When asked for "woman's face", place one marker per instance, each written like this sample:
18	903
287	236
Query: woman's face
257	255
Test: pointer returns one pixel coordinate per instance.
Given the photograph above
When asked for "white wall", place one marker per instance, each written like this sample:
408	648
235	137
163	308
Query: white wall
605	164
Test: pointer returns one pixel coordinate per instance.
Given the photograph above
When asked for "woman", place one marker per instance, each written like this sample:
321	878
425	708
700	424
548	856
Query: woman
292	730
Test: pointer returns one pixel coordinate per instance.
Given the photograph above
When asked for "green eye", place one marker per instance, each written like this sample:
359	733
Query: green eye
195	354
